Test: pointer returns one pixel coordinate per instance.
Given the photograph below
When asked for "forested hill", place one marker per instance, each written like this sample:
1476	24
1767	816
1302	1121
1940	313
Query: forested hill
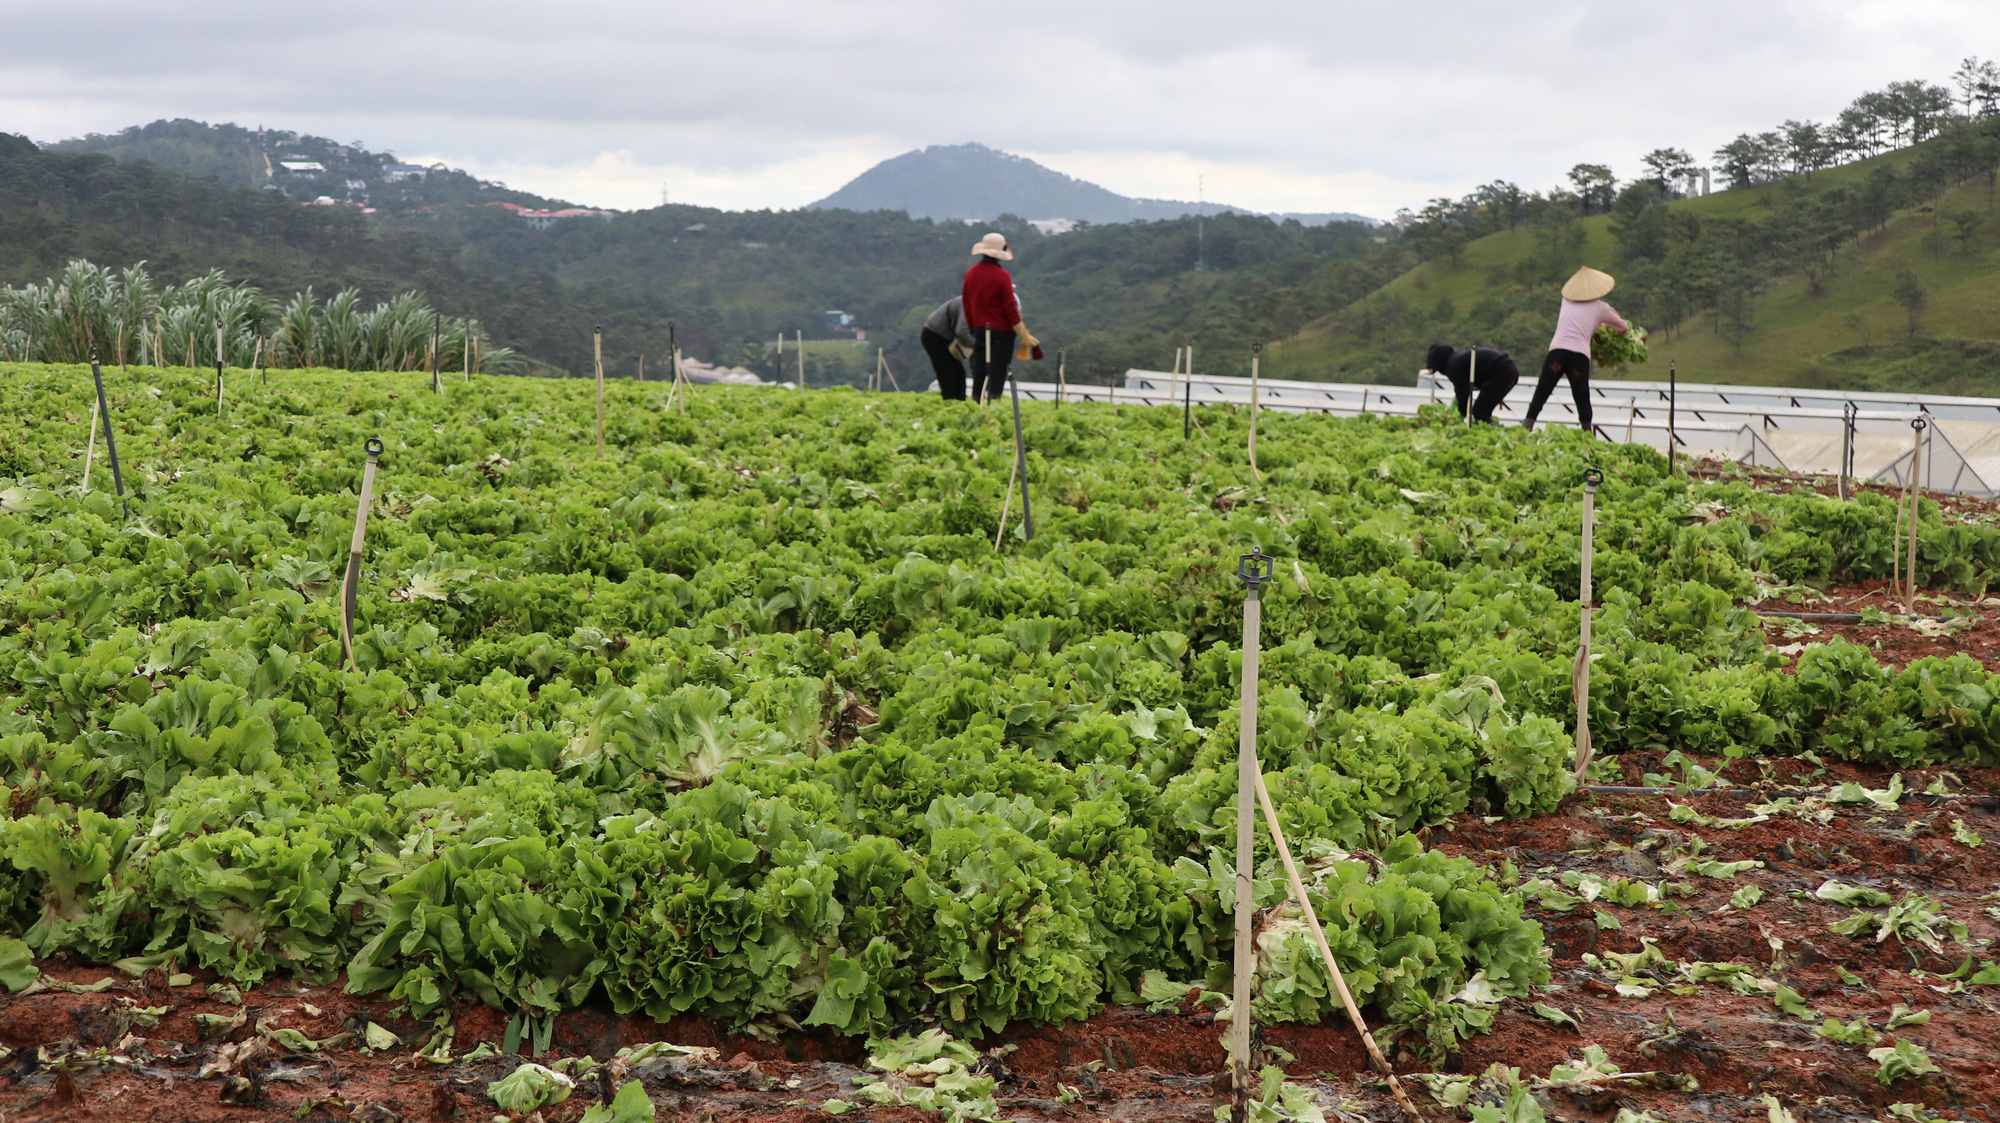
1114	296
1881	272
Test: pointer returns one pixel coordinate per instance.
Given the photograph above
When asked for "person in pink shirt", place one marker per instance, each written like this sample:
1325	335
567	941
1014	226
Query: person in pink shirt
1583	308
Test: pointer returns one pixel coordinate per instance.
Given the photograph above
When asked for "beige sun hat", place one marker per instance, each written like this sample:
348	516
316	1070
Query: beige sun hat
994	245
1588	284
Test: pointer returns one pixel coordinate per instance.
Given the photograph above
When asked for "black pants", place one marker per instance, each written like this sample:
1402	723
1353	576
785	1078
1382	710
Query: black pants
950	372
1573	365
991	374
1493	380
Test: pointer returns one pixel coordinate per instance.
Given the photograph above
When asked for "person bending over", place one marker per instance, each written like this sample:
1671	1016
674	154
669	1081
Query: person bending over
948	341
1583	308
993	315
1491	378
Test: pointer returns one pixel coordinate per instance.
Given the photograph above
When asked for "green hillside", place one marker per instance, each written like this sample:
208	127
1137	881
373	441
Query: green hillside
1802	277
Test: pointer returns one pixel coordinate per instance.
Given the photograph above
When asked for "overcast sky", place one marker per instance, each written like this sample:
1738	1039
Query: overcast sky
1320	106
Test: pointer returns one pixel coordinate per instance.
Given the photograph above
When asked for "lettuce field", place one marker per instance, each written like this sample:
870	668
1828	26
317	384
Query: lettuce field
750	722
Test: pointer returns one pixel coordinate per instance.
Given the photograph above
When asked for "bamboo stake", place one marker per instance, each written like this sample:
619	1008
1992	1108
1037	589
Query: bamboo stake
1256	351
437	376
1326	952
891	372
1062	377
1580	676
465	355
1006	501
801	343
350	588
1471	381
1021	458
1916	504
90	452
597	344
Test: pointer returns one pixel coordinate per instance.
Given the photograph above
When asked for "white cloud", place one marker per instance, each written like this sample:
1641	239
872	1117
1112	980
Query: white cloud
1340	105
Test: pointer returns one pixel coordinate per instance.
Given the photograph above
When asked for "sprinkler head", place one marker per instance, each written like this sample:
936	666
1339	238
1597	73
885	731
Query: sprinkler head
373	446
1255	568
1592	477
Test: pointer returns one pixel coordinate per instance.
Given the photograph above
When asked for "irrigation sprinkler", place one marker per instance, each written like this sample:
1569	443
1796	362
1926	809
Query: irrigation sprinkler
1253	569
1021	456
597	345
110	442
1062	377
350	587
1580	676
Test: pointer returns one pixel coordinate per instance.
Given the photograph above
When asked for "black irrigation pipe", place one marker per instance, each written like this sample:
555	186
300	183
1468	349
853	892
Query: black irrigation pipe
1984	801
110	441
1835	617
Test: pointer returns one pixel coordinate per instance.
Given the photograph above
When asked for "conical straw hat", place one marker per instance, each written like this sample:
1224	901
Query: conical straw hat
1588	284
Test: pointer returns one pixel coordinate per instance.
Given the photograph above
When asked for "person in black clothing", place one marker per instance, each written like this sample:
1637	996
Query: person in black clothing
1490	378
947	339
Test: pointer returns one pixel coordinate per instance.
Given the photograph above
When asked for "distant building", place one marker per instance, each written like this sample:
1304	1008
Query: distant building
695	229
542	220
400	173
1047	226
357	185
835	318
304	168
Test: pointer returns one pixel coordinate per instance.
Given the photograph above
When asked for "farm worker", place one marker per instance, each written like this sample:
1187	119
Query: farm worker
1491	377
994	316
947	339
1583	308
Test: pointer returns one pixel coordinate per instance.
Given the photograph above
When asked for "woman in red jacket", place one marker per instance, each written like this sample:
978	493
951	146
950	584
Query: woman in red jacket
994	316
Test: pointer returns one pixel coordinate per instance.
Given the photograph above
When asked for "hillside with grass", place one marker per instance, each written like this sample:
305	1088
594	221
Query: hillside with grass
1883	273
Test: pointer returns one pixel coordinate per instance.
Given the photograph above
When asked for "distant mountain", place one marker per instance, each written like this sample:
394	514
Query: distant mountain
974	182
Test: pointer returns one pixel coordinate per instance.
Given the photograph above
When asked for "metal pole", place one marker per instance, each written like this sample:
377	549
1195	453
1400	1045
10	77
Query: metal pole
1847	411
1254	569
350	588
1580	677
1187	400
110	441
1021	456
597	345
1673	397
218	365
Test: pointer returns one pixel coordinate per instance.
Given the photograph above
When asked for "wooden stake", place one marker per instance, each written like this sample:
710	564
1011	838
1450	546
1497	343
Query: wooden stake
1062	377
1916	506
1187	395
802	358
1326	953
1021	457
350	588
90	452
1580	675
597	344
1471	380
1006	502
1256	352
218	365
437	353
465	356
1254	569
